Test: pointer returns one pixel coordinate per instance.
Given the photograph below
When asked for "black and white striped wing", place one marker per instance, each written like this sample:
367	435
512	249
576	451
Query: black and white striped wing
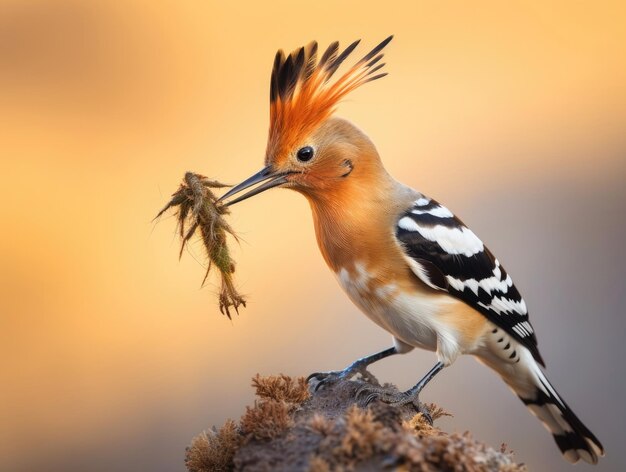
446	255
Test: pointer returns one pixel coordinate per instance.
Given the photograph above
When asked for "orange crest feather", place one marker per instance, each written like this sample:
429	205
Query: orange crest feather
301	95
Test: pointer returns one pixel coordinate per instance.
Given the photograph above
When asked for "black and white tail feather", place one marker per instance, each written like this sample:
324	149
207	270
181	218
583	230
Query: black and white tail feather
530	384
448	256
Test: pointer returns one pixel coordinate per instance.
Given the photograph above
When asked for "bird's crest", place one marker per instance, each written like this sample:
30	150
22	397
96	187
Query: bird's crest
302	95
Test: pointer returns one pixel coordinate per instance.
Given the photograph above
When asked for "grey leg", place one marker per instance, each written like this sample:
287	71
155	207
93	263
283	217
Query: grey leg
392	397
358	366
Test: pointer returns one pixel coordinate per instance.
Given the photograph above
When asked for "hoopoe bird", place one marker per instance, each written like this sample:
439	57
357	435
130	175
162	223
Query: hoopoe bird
403	259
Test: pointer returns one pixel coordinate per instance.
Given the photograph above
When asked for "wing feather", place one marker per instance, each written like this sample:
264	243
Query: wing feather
446	255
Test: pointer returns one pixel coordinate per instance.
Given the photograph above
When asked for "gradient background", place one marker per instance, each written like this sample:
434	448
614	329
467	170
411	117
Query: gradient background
112	357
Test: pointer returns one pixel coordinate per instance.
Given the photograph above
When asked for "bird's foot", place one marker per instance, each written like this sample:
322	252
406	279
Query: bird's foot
333	376
393	397
327	378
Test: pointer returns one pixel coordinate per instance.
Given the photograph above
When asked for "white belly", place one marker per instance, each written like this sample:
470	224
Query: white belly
410	317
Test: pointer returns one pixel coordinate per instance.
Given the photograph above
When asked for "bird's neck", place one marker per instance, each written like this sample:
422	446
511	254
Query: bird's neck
355	221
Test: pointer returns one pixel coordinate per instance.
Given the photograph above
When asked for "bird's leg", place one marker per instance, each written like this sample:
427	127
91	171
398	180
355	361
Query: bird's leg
395	398
358	366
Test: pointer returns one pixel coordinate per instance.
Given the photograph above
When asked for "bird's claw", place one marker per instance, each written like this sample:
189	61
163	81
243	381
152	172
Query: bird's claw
386	395
326	378
393	398
333	376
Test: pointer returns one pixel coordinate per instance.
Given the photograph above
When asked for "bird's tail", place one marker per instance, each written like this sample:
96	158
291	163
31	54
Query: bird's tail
528	381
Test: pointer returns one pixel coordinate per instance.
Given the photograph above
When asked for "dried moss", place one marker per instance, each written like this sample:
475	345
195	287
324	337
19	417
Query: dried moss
288	430
267	419
321	424
198	211
214	449
281	387
421	426
317	464
363	436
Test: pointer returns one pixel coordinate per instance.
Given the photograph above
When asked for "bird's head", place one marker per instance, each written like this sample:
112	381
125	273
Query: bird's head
308	149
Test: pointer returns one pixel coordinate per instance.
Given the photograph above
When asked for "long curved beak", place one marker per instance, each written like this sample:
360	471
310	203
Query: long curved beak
271	179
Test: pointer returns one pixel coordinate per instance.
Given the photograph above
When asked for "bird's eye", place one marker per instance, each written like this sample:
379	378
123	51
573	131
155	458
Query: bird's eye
305	154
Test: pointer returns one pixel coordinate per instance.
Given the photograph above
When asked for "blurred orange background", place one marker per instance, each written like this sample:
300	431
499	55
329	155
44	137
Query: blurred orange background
113	357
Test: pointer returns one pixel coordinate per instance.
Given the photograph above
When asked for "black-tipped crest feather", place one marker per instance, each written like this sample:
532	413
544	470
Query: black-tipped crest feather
374	61
299	64
378	67
330	54
278	61
377	49
332	67
376	77
311	60
293	70
285	78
